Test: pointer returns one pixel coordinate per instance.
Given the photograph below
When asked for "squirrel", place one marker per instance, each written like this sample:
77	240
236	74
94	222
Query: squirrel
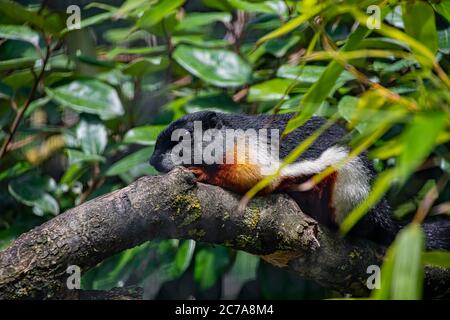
328	202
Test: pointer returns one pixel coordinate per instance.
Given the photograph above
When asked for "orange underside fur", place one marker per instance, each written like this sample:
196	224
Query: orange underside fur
239	176
236	177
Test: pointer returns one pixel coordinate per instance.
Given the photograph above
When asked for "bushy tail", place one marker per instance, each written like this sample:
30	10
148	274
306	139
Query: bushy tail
437	233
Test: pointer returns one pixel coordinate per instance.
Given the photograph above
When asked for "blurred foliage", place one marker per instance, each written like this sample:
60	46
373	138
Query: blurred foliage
80	111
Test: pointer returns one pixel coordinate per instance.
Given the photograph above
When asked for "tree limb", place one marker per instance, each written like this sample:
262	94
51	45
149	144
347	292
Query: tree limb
175	206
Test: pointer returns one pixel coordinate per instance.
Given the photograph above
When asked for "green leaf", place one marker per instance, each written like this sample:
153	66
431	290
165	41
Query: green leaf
90	96
279	47
199	19
210	265
130	161
145	135
324	86
158	12
87	22
270	7
444	40
419	138
407	273
245	266
19	14
19	63
31	190
183	258
22	33
76	156
436	259
16	170
92	136
292	24
213	102
418	18
142	66
220	67
309	74
443	8
274	89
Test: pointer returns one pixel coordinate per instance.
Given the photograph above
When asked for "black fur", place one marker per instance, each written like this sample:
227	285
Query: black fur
377	225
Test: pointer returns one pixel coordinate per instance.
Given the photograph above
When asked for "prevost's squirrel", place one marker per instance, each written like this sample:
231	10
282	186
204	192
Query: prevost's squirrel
328	202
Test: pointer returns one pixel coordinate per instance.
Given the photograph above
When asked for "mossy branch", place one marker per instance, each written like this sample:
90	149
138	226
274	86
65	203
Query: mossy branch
176	206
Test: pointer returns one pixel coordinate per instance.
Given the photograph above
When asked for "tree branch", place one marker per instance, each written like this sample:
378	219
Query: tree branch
175	206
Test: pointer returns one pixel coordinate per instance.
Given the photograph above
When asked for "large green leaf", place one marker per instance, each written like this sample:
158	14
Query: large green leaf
270	7
443	8
76	156
32	190
183	258
199	19
19	14
418	18
419	138
444	40
142	66
158	12
270	90
145	135
323	87
92	137
90	96
293	24
22	33
15	170
309	74
84	23
407	273
130	161
437	258
213	102
18	63
210	263
244	266
220	67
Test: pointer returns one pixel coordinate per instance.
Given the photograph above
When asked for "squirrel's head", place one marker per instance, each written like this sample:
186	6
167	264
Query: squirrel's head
173	141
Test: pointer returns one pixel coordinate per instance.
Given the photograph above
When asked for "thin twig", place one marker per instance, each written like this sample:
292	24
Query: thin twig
30	99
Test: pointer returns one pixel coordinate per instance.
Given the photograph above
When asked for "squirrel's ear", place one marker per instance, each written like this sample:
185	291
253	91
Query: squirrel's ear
214	121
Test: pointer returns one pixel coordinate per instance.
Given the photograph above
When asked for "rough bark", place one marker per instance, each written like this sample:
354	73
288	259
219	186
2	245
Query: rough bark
175	206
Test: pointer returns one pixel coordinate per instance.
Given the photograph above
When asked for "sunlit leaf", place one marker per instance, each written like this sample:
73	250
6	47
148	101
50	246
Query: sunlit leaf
22	33
443	8
274	89
292	24
418	17
90	96
198	19
183	257
145	135
76	156
419	139
87	22
222	68
325	84
92	136
158	12
142	66
130	161
408	273
436	258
